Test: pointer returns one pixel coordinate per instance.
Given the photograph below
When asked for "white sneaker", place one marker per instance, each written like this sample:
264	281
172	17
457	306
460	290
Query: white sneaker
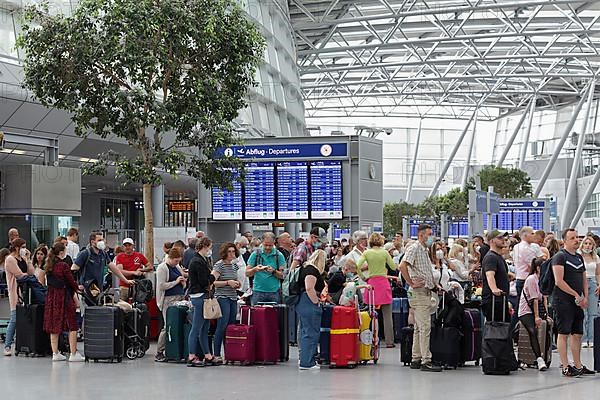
76	357
541	364
58	357
313	368
7	352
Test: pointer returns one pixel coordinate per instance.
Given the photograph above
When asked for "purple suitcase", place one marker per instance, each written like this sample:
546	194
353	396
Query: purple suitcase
266	322
472	336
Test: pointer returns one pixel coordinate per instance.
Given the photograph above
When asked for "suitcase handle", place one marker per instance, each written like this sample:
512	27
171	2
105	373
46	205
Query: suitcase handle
503	307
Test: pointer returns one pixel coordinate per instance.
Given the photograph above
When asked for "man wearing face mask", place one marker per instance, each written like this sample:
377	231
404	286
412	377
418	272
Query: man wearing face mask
92	261
362	240
317	237
416	271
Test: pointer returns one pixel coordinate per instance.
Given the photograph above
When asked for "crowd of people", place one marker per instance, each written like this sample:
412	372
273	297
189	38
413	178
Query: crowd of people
506	268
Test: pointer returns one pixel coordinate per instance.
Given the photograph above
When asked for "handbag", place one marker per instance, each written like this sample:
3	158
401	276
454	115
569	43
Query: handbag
211	309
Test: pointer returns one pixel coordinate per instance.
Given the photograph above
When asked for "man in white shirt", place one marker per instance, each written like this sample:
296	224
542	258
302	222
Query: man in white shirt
523	253
72	246
362	240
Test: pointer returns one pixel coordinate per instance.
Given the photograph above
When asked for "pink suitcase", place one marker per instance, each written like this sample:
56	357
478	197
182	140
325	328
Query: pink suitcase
265	320
240	344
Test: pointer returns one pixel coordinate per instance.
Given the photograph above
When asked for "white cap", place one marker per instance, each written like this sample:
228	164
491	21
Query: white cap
128	241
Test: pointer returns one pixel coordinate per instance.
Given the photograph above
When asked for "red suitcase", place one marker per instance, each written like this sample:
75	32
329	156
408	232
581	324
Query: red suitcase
266	322
154	319
240	344
345	327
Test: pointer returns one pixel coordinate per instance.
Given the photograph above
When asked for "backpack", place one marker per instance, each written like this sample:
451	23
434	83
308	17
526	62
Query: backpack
290	287
547	281
142	291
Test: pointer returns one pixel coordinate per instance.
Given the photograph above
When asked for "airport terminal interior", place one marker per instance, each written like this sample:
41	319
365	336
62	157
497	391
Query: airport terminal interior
301	198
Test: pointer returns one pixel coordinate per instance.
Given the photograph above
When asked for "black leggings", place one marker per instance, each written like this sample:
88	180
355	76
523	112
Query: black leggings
528	321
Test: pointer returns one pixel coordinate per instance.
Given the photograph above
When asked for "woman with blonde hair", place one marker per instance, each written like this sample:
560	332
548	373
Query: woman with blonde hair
310	285
377	258
456	263
587	248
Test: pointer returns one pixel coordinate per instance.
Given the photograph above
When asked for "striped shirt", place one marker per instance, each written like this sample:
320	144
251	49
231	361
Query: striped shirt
227	272
417	257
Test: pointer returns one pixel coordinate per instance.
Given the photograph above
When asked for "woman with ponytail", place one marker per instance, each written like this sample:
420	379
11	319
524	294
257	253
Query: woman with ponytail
60	309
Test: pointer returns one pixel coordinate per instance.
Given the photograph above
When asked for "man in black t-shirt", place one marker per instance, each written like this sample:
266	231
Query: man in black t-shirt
495	279
481	245
569	299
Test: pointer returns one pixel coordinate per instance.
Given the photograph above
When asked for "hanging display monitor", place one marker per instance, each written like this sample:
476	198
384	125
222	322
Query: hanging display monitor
326	190
292	190
226	205
259	191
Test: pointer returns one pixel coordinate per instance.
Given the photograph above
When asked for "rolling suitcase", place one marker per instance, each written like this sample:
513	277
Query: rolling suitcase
137	331
406	341
369	332
155	319
240	343
497	353
325	336
399	316
176	337
31	339
265	320
292	326
103	333
597	344
344	332
524	349
471	338
282	318
445	340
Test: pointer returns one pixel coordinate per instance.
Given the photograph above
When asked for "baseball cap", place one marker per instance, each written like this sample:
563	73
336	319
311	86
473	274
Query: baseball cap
496	233
320	232
128	241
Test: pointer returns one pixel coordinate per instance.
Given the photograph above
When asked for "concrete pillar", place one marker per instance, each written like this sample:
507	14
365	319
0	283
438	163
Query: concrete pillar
158	205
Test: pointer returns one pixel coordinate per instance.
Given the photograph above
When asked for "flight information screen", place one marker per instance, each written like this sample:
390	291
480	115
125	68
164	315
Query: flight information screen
326	189
292	190
259	191
227	205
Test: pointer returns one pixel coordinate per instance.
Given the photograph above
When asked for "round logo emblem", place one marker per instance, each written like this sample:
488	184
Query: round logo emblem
326	150
229	152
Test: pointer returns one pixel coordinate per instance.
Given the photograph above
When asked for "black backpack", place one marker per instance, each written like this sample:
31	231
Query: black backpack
547	281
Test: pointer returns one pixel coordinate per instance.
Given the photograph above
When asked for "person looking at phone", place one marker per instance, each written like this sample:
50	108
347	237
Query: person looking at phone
266	266
496	282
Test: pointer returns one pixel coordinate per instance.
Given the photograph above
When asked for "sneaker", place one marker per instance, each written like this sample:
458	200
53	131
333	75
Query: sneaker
315	367
541	364
160	357
571	372
76	357
585	346
415	365
58	357
7	352
585	371
429	367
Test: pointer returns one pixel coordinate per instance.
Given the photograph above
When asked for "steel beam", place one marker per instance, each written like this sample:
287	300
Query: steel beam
465	176
512	138
586	198
411	177
571	197
560	145
452	155
527	133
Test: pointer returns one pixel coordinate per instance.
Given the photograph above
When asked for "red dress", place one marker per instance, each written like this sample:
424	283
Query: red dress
59	314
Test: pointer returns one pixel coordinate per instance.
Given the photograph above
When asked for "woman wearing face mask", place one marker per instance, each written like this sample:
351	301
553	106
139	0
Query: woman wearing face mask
441	273
201	281
16	265
587	249
60	312
170	288
456	263
378	259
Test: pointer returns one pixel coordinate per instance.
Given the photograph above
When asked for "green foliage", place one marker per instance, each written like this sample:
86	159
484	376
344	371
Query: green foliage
392	216
507	182
166	77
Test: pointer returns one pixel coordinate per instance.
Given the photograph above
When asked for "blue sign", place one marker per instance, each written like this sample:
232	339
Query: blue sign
522	203
494	203
292	190
282	151
480	201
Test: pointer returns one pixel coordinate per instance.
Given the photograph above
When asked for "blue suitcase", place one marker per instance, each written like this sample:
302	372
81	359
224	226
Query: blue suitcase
325	338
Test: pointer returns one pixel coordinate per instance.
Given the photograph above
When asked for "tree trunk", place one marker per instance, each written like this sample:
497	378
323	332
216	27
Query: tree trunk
148	224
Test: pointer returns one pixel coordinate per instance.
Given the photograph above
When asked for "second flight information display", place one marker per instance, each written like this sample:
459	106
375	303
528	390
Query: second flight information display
294	190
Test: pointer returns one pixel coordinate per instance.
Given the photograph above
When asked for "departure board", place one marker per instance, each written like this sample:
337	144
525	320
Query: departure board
326	189
292	190
259	191
226	205
536	219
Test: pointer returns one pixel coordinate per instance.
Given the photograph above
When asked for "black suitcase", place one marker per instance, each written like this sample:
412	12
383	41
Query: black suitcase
399	316
284	333
325	337
103	333
471	339
137	331
445	346
597	344
497	352
31	339
406	342
292	325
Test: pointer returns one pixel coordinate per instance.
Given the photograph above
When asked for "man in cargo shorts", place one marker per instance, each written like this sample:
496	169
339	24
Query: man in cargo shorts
416	270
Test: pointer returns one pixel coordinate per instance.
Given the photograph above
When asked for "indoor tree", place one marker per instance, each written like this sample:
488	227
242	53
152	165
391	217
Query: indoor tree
507	182
166	77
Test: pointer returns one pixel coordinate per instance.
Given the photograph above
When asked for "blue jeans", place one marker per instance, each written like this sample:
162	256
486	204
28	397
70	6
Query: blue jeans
265	297
590	312
198	339
10	330
229	311
309	315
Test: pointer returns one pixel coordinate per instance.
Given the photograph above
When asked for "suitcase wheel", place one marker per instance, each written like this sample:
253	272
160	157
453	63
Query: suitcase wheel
375	362
331	366
477	363
352	366
131	353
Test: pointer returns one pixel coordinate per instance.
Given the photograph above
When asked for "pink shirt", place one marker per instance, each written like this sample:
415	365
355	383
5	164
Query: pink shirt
12	273
523	254
532	291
